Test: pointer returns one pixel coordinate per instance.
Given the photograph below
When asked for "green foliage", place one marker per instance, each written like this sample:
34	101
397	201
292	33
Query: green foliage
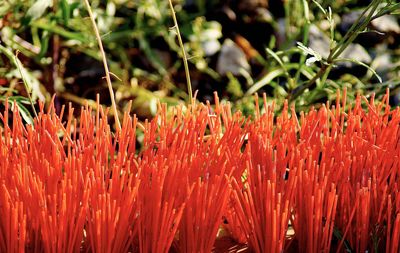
144	54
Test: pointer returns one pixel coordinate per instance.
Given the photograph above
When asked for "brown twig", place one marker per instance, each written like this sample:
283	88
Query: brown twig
103	55
184	56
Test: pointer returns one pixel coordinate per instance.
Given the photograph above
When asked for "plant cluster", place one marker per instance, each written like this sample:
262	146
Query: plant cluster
234	47
324	181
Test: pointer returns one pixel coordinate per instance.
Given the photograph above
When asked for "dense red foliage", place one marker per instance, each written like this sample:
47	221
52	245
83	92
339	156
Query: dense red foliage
326	180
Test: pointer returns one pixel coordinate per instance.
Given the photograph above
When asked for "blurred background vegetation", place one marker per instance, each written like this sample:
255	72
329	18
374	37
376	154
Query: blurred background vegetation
298	50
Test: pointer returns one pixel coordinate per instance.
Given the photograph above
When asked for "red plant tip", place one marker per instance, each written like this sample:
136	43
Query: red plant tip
323	180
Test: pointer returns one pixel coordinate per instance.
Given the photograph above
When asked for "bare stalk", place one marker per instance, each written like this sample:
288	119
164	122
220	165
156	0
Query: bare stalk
184	56
24	79
103	55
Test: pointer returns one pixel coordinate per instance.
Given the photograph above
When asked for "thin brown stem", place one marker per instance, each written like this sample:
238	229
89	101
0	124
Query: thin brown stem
299	90
103	55
184	56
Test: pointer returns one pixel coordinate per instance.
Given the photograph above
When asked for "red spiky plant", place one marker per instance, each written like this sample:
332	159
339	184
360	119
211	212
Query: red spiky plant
165	186
12	224
52	199
114	179
210	173
367	174
314	208
263	197
326	181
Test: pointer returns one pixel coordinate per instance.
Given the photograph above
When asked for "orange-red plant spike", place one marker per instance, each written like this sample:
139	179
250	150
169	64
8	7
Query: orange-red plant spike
114	183
12	223
263	200
323	180
395	240
165	183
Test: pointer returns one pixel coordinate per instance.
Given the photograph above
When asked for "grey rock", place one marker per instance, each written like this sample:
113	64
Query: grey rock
232	59
382	63
319	42
386	24
355	52
349	19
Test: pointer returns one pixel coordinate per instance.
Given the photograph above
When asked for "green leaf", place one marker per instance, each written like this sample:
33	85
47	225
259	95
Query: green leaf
152	56
319	6
25	114
234	86
44	44
4	8
362	64
30	82
19	101
7	89
65	11
265	80
38	9
51	27
276	57
306	11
